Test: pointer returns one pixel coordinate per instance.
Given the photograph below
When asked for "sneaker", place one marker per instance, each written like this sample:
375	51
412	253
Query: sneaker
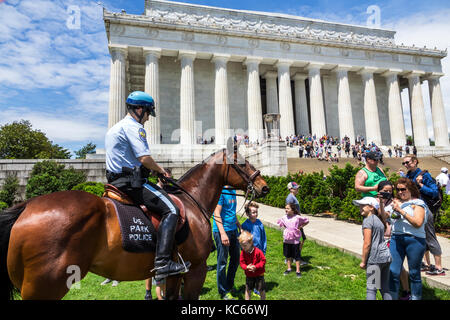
256	295
299	274
405	296
105	282
287	272
424	267
114	283
436	272
148	295
229	296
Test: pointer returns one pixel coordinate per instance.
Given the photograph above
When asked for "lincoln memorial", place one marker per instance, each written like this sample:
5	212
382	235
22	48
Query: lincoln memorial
217	70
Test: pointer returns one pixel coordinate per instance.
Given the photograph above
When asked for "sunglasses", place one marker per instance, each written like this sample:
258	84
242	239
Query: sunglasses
406	162
401	189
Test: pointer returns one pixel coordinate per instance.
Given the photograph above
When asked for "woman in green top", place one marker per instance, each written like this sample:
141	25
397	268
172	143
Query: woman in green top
368	178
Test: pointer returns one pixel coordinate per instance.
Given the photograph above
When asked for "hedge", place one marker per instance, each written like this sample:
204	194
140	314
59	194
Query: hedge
49	176
333	194
96	188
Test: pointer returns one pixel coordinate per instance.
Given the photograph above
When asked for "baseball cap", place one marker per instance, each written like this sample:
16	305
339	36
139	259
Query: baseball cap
372	155
367	200
292	185
444	169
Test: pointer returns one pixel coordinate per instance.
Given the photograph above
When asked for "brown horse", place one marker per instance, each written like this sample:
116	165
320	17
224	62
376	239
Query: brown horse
45	240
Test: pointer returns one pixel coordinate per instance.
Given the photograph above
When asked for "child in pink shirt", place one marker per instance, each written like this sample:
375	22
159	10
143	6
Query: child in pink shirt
292	222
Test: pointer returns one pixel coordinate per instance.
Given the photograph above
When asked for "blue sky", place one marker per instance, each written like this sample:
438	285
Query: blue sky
58	77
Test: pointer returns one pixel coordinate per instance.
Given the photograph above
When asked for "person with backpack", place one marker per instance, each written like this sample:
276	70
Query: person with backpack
432	196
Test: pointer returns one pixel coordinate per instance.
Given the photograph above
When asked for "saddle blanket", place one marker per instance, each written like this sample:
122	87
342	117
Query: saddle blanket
138	232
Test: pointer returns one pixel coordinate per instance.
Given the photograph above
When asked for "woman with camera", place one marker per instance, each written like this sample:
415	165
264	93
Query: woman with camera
408	214
385	197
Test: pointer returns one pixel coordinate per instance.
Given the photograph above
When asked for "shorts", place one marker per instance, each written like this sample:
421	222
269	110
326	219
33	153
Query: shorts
430	238
291	250
257	283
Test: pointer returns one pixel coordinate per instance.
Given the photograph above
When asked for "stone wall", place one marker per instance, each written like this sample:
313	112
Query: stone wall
94	169
270	158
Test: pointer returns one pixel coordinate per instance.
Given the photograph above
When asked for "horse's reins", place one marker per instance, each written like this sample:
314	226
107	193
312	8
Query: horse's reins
170	180
248	179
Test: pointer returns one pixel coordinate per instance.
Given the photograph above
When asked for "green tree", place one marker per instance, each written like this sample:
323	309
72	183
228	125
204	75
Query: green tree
9	190
18	140
87	149
48	176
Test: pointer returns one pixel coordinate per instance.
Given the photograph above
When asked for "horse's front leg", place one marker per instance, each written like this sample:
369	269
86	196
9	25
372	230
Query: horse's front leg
172	290
193	281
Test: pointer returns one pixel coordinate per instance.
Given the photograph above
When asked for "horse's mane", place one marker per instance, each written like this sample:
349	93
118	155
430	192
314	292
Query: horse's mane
194	168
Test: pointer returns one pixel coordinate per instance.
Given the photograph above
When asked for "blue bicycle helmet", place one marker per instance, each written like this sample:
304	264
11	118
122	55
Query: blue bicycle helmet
138	99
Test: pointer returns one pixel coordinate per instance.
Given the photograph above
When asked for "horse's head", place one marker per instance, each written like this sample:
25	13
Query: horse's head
240	174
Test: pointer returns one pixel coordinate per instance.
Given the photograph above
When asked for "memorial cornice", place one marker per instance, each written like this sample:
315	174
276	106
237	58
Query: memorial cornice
261	25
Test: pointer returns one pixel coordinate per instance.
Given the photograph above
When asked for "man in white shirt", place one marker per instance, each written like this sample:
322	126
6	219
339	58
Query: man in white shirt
442	178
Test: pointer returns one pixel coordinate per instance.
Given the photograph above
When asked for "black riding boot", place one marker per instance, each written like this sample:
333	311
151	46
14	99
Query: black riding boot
166	236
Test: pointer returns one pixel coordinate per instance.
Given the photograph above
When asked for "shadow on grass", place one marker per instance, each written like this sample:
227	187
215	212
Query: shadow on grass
205	290
429	293
240	291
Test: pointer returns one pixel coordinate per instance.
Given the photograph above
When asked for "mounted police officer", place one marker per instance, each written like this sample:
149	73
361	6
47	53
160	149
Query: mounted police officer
128	162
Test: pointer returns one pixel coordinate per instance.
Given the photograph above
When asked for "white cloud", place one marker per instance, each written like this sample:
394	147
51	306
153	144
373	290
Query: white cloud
59	127
55	64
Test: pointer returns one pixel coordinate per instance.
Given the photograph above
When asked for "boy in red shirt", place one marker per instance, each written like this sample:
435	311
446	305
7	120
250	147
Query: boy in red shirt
253	262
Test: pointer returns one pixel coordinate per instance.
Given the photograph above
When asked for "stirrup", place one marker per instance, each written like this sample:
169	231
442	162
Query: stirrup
184	265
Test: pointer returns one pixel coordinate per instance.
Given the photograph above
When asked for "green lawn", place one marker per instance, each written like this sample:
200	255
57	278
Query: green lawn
331	275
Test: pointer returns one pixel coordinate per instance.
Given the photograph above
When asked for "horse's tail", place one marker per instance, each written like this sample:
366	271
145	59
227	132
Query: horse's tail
7	219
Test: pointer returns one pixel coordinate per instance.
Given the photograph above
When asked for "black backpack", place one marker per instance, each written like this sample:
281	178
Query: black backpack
434	204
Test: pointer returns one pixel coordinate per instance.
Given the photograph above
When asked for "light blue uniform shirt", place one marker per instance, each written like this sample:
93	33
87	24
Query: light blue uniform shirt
125	142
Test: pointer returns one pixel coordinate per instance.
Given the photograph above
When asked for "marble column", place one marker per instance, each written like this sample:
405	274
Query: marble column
372	121
396	123
221	100
287	124
438	111
255	120
318	124
419	122
271	91
345	114
153	125
187	98
301	105
117	84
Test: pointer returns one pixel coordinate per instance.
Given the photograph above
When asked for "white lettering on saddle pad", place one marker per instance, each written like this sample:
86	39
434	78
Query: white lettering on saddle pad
139	231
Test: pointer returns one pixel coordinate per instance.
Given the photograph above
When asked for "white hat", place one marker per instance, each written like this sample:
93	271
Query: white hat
367	200
444	169
292	185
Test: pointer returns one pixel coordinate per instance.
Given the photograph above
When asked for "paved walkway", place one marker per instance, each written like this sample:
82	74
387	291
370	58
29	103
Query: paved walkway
347	237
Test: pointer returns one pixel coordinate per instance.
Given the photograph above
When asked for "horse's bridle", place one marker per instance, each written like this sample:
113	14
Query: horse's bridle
248	179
